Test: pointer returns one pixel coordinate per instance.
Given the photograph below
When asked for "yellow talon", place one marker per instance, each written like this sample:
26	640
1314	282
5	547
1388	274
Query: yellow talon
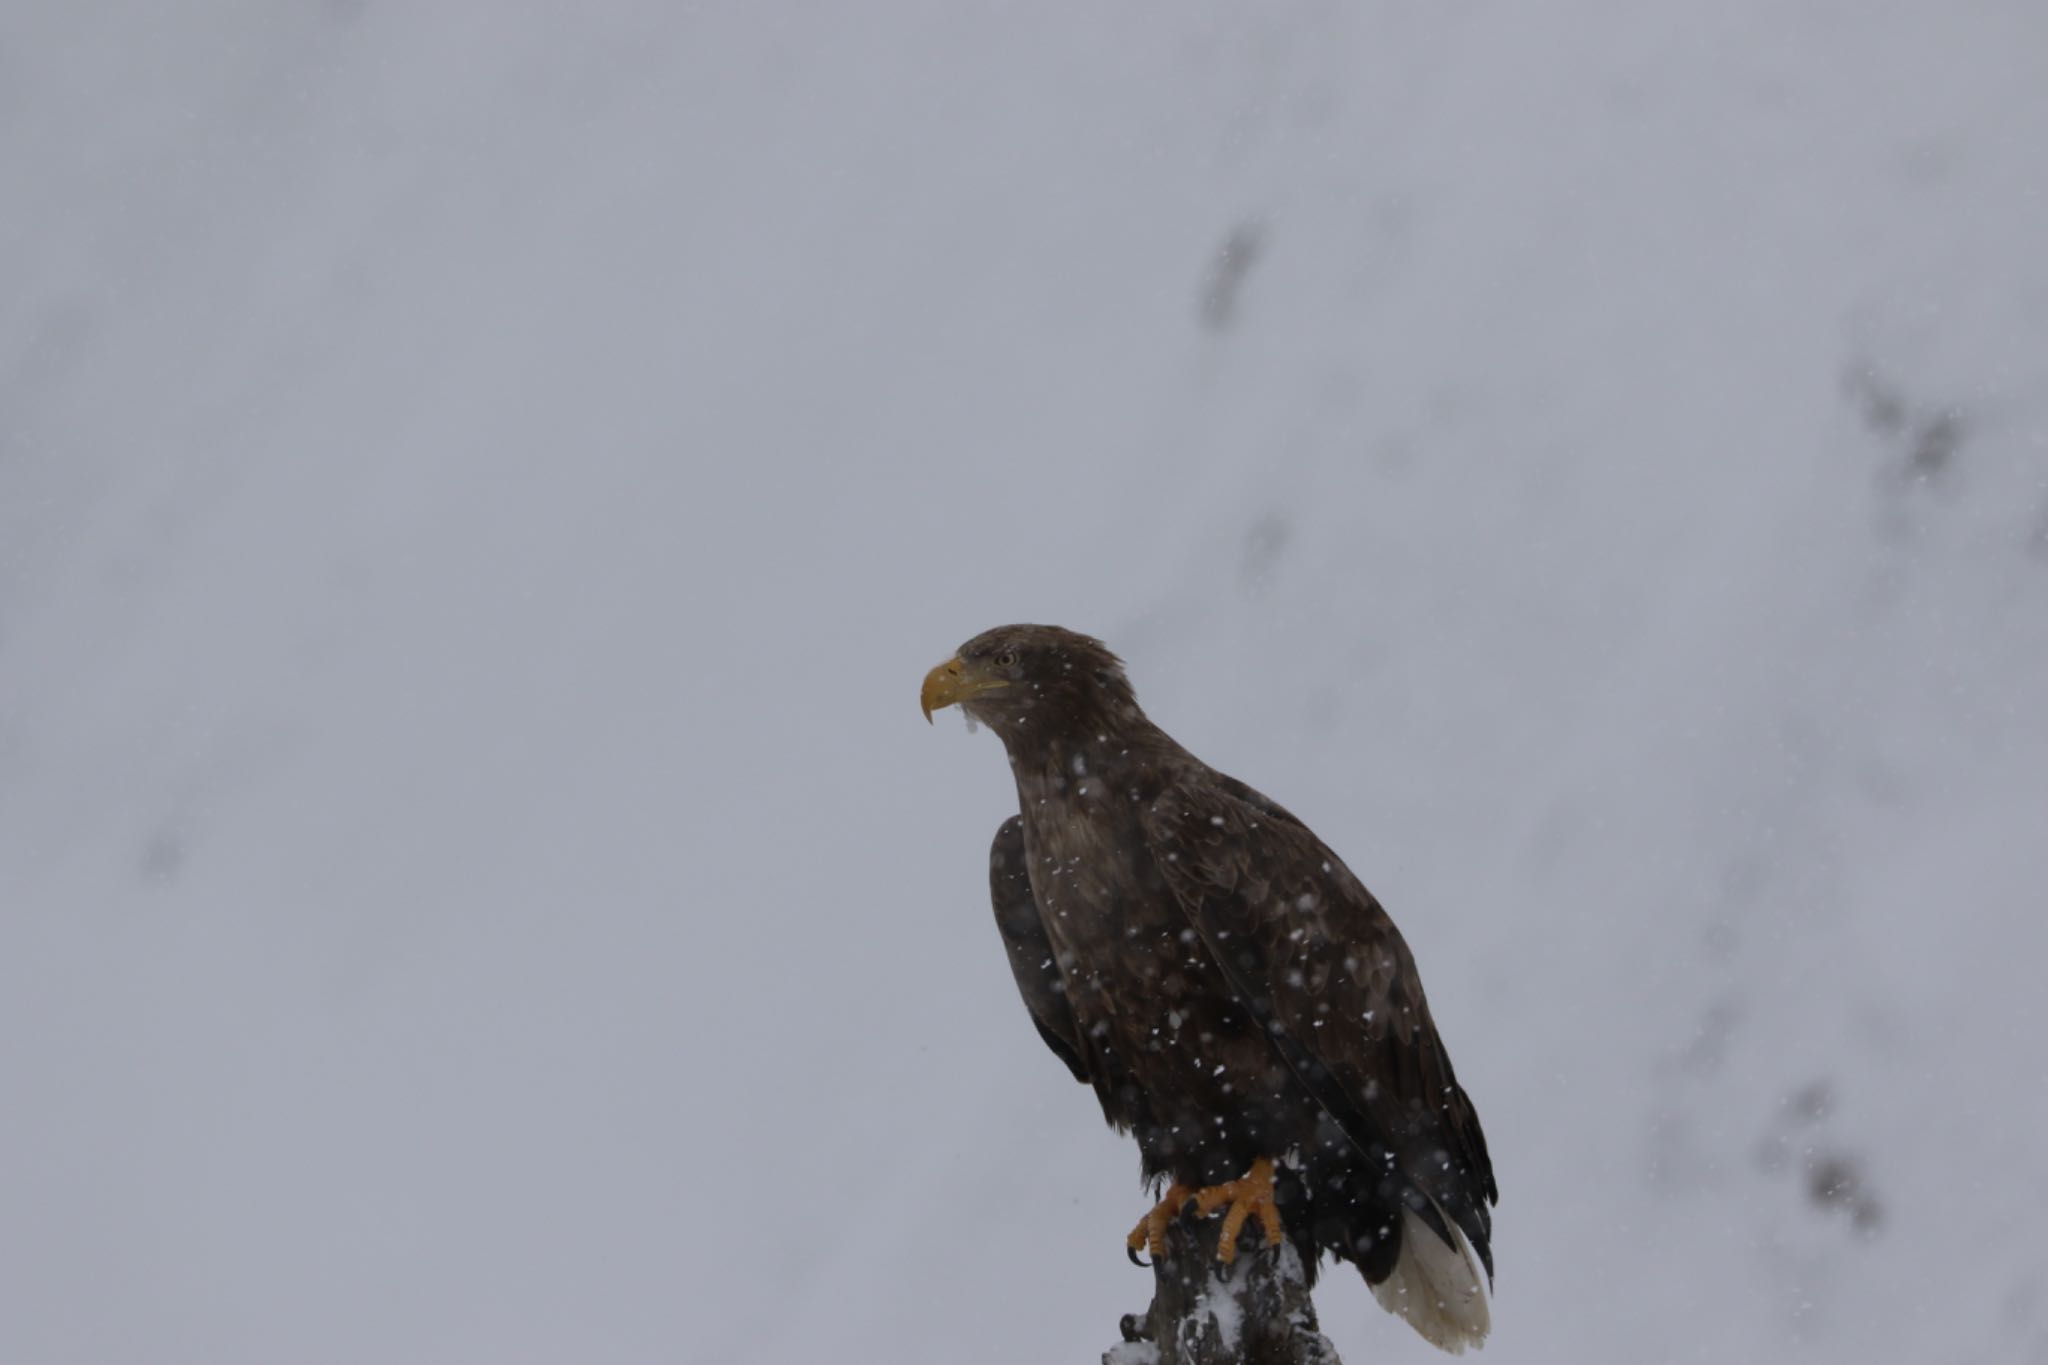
1150	1234
1248	1195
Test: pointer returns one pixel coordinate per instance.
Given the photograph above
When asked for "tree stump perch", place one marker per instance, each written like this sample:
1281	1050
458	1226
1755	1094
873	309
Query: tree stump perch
1255	1311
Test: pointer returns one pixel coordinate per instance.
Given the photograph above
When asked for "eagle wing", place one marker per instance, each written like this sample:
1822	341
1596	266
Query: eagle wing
1310	952
1032	960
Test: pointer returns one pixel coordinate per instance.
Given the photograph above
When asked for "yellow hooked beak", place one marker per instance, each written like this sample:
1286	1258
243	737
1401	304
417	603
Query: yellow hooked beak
953	681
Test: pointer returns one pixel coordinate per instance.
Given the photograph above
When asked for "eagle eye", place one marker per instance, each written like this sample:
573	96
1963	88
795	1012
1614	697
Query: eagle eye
1007	659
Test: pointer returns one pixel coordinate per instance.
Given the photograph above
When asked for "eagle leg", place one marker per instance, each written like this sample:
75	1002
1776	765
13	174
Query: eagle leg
1250	1194
1150	1234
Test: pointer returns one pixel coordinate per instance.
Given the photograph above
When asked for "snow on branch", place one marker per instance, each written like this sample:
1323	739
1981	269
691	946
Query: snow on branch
1253	1312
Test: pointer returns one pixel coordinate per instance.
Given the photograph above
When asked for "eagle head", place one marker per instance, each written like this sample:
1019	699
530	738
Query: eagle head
1016	679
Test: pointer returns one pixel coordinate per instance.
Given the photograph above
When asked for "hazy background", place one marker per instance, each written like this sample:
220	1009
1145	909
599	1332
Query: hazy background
480	485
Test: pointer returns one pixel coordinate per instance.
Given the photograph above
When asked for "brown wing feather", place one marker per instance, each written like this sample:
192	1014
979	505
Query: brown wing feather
1031	956
1313	955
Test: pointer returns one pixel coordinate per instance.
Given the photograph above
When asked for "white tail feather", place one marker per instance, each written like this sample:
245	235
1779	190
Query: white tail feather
1439	1289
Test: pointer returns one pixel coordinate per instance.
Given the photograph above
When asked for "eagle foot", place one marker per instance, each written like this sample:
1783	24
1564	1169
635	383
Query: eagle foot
1150	1234
1250	1194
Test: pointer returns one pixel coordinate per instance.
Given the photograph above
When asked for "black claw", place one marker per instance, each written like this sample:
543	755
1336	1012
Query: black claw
1132	1252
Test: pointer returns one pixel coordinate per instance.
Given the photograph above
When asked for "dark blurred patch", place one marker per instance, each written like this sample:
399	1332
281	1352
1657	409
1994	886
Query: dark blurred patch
1834	1182
1225	280
1882	406
1789	1133
1921	440
1831	1180
1811	1102
1934	445
1264	542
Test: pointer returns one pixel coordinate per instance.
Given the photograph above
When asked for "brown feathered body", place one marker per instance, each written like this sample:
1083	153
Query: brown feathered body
1228	988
